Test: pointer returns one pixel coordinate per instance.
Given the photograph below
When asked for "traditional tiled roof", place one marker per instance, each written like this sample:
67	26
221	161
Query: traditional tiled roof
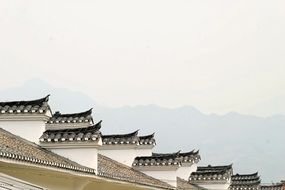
159	159
114	170
129	138
186	185
245	181
82	117
86	134
190	157
147	140
276	186
13	147
39	106
209	173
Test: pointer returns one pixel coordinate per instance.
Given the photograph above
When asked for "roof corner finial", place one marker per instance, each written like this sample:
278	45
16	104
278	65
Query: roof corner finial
136	132
47	97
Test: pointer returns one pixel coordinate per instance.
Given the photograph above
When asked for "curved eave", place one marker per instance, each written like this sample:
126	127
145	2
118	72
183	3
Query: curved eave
128	135
26	102
151	136
165	155
246	175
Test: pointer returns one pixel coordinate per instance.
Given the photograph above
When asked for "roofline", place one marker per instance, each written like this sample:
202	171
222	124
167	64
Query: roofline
38	162
135	183
88	112
44	99
77	173
216	166
147	136
96	127
241	175
135	133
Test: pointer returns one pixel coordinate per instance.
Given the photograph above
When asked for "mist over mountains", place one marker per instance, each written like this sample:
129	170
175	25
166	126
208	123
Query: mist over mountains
251	143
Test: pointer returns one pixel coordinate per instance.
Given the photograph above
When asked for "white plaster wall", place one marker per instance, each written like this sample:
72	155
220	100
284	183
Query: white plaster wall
166	176
30	130
185	171
85	156
223	186
126	156
144	152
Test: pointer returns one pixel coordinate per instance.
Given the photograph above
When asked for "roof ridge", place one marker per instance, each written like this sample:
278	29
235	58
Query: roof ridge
26	102
94	127
147	136
78	114
132	134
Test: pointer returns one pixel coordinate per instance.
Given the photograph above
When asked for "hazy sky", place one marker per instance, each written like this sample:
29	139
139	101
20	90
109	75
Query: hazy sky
218	56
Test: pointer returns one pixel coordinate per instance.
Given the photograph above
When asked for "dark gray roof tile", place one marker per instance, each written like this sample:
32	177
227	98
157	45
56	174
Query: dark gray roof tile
82	117
86	134
162	159
248	181
39	106
209	172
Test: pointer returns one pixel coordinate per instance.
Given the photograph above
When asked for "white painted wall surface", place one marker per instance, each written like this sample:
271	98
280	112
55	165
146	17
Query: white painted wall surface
85	156
144	152
185	171
126	156
28	129
166	176
223	186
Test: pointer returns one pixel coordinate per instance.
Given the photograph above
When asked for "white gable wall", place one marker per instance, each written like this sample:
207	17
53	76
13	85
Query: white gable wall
166	176
28	129
124	156
144	151
87	156
215	186
185	170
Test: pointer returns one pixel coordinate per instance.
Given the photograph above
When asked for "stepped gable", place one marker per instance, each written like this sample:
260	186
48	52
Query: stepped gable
85	134
121	139
147	140
245	181
21	151
114	170
166	159
212	173
82	117
15	148
38	106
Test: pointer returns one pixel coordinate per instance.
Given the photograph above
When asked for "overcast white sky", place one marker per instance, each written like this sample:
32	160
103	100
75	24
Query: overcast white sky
218	56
